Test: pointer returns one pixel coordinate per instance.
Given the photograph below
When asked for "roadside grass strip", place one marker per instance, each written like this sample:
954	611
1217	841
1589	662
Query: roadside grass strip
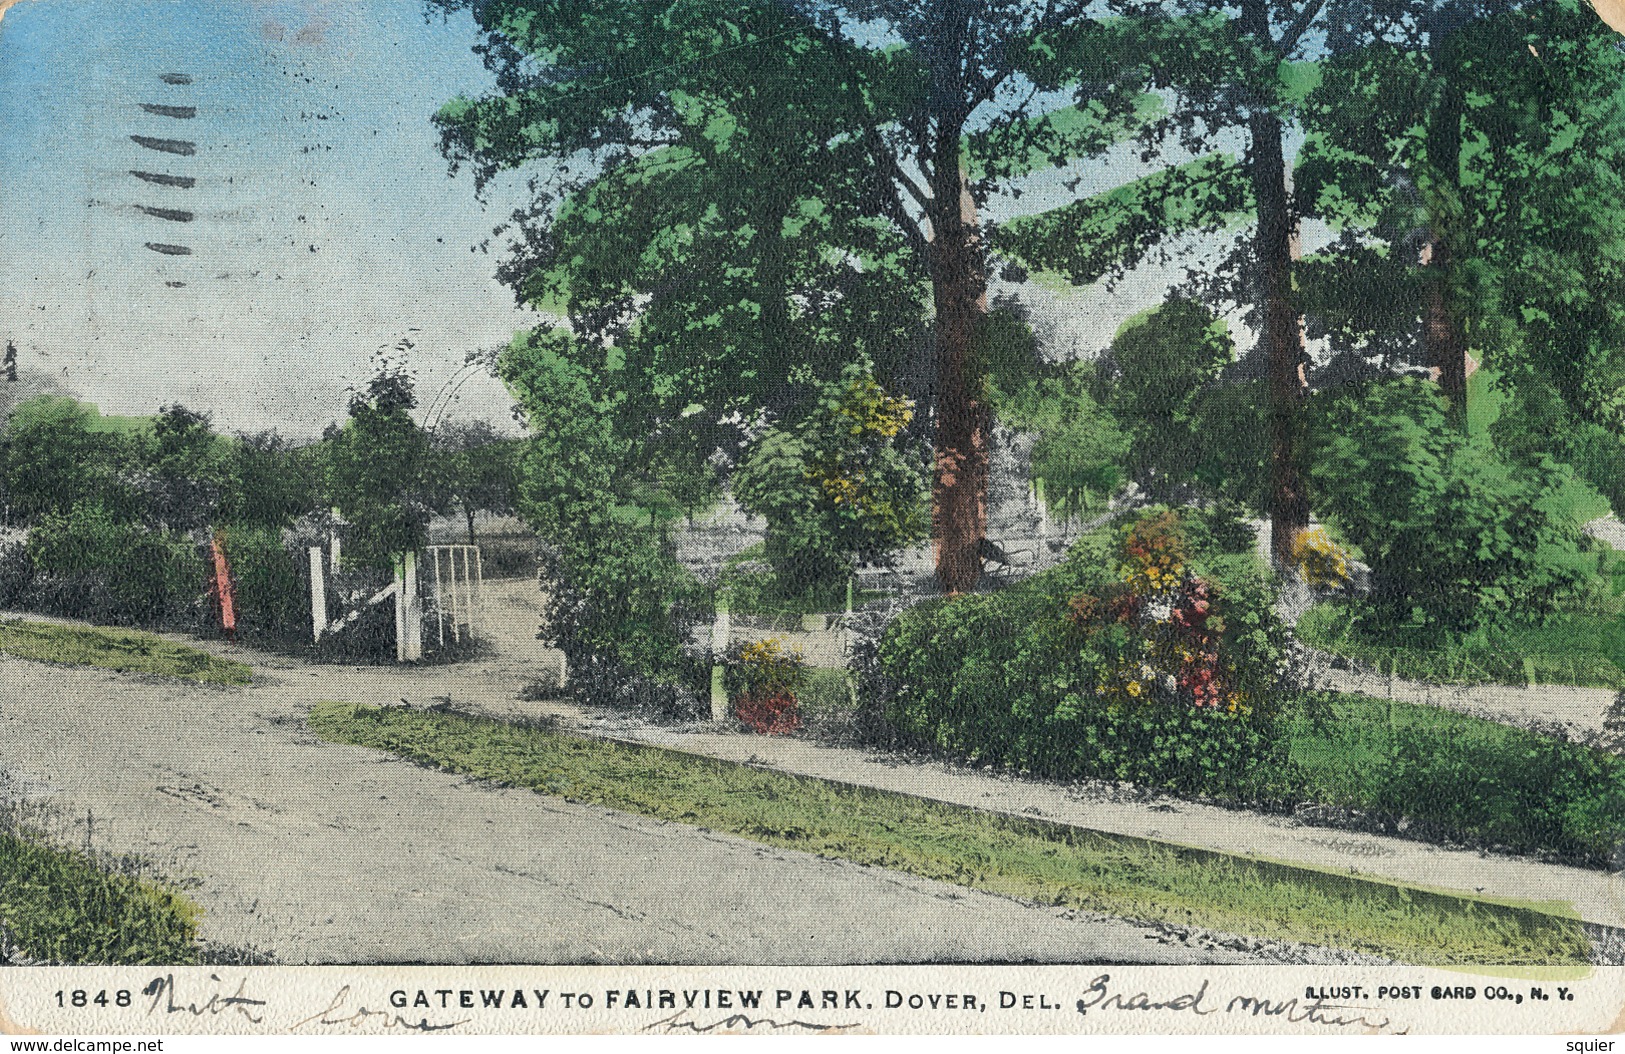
63	906
1048	863
121	650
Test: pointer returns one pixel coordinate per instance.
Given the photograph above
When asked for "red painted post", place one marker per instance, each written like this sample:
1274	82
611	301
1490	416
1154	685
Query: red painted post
222	586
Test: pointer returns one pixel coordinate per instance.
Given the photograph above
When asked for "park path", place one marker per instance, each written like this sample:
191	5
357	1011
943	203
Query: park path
316	852
1584	715
304	851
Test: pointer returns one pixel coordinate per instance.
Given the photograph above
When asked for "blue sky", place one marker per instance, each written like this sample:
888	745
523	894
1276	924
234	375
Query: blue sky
326	223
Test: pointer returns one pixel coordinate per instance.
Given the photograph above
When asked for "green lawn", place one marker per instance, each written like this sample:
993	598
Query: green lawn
1126	877
59	905
1462	777
127	651
1579	649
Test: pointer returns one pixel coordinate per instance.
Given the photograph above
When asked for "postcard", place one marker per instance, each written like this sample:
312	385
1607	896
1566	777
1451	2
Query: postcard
788	516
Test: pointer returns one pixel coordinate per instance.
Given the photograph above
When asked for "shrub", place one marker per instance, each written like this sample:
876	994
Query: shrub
1135	660
843	482
767	712
272	595
763	677
91	565
618	608
1511	788
1456	536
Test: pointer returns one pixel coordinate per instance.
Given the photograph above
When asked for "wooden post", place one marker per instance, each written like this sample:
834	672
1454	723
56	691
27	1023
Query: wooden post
412	618
721	630
318	595
400	609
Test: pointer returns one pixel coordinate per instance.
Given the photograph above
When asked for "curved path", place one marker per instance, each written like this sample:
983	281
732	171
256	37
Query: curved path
310	852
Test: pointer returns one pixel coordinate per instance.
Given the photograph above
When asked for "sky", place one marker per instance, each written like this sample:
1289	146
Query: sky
326	226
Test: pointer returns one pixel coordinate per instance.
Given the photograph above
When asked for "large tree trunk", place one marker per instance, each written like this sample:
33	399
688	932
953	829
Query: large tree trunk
959	290
1282	336
1442	329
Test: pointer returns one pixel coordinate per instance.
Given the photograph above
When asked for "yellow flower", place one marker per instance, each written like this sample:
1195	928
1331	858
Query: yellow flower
1133	688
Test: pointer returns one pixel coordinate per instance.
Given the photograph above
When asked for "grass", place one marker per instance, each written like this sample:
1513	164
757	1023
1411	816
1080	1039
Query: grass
826	694
60	905
1462	777
1127	877
1582	649
126	651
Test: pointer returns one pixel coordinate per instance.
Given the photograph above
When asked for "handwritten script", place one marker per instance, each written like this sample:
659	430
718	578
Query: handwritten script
1100	996
339	1011
684	1022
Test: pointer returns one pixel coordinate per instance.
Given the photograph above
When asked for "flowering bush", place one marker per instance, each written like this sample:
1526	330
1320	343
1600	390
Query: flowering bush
1323	562
1167	643
768	713
1139	659
763	677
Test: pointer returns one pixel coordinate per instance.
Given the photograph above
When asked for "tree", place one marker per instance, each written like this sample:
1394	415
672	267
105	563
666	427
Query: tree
189	469
1234	72
52	458
270	481
476	468
837	485
378	470
1152	379
892	125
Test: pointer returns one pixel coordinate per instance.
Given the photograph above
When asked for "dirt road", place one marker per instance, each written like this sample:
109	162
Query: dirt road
311	852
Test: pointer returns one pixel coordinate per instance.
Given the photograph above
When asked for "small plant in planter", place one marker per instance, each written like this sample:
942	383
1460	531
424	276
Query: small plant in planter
764	677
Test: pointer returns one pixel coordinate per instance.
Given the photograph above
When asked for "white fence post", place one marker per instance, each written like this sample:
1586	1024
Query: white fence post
412	619
721	630
318	595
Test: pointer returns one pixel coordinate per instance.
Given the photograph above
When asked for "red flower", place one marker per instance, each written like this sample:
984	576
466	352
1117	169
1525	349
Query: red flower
768	712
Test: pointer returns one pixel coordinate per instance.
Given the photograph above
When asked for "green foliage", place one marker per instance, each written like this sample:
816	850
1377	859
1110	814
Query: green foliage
1456	537
52	459
1079	450
378	472
272	596
841	483
619	602
1152	380
1463	778
96	566
1110	232
270	482
126	651
1031	859
190	467
60	906
618	607
1030	677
